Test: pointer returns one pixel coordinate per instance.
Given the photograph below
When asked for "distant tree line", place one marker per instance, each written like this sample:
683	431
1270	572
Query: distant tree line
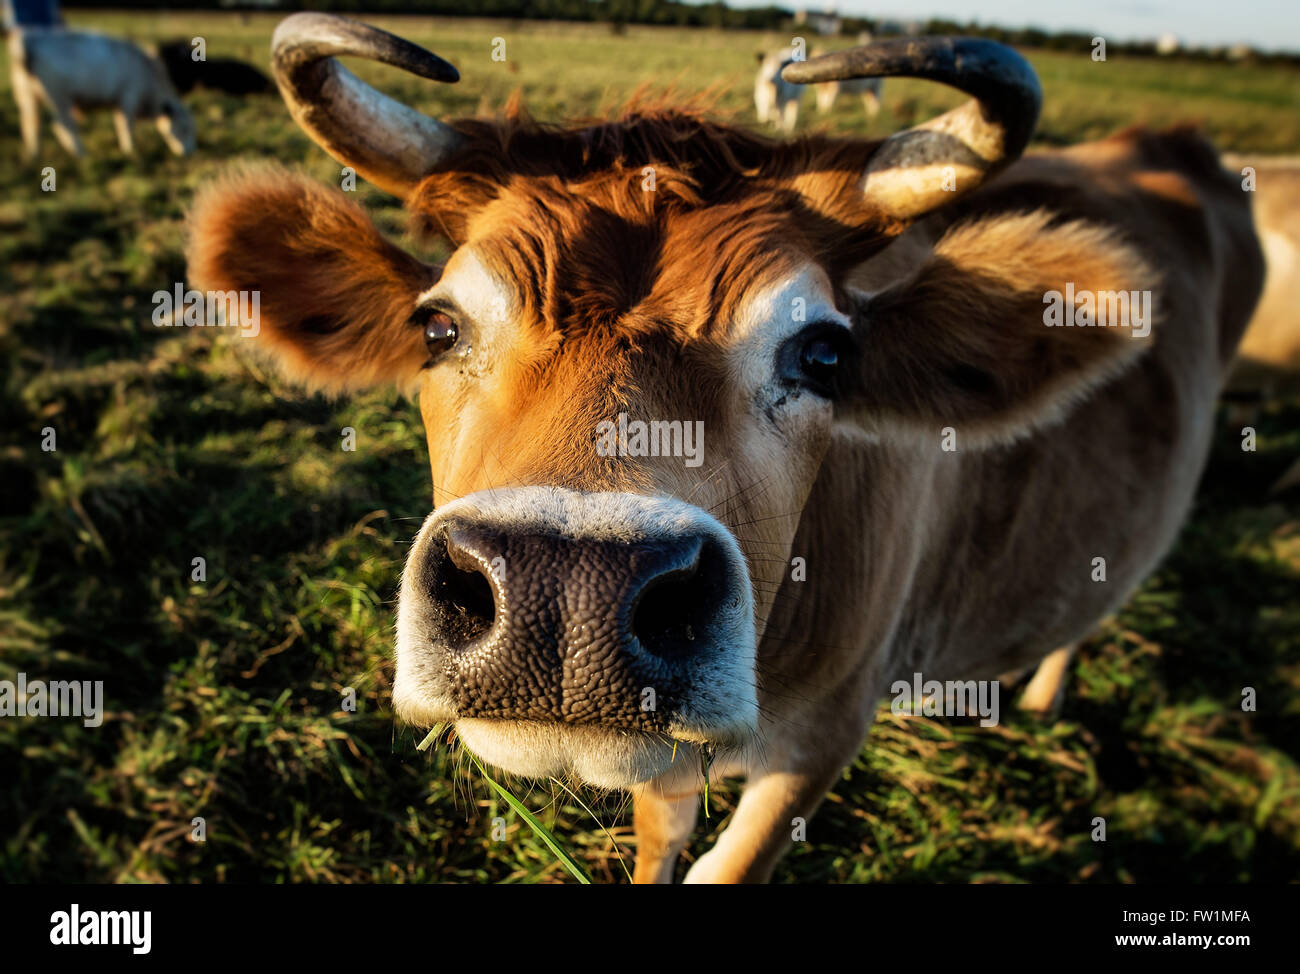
664	12
1033	37
619	13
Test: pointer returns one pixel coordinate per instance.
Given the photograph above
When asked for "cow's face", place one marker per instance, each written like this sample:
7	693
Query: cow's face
622	435
630	367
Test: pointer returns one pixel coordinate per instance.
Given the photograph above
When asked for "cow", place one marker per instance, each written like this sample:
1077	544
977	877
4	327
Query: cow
776	101
69	70
1268	358
867	88
909	467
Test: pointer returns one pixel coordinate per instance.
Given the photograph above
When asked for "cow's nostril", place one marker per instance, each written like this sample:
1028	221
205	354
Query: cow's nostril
469	602
465	596
675	609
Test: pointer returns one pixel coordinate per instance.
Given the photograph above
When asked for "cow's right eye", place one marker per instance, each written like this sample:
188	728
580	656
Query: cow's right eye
819	359
813	357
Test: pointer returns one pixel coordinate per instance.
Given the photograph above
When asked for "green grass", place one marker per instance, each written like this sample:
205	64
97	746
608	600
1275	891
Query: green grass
224	697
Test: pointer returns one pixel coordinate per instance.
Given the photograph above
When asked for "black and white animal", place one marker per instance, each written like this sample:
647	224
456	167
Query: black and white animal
230	75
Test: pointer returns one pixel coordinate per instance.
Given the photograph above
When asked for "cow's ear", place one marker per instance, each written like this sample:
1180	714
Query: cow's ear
976	339
334	297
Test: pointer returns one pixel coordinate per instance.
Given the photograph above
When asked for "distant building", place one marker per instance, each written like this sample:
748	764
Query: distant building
1239	52
827	24
896	28
1168	44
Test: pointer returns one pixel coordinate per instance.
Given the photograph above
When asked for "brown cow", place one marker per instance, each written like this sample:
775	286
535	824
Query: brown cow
905	469
1269	355
1268	359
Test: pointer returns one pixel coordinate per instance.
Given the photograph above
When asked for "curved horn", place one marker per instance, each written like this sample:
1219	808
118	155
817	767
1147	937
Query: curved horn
908	175
388	143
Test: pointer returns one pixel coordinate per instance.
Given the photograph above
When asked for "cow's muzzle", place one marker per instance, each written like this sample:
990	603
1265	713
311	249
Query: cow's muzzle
544	606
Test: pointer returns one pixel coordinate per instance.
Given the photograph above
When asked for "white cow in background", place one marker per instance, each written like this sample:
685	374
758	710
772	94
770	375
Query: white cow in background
775	99
868	88
69	70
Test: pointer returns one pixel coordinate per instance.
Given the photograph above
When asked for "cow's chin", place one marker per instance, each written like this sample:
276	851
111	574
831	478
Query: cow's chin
598	756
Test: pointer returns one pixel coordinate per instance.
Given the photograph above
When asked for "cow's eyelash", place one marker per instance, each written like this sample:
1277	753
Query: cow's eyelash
439	305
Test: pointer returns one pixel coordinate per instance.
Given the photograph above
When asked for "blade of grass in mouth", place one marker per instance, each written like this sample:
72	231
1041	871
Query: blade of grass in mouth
707	753
584	807
429	737
541	830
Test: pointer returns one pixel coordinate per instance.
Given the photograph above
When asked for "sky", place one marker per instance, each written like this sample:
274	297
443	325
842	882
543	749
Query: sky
1265	24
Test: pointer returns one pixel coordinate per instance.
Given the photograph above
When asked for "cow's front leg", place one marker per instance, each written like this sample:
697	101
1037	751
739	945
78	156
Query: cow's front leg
122	120
1045	691
789	116
802	758
762	828
29	113
65	127
663	825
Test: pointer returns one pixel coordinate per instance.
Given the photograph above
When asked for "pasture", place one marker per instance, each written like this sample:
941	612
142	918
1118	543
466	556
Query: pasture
223	697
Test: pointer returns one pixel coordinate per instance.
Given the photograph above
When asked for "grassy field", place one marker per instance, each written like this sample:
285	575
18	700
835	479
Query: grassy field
223	697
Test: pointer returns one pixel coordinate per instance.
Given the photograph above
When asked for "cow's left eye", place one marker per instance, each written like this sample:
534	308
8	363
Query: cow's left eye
439	333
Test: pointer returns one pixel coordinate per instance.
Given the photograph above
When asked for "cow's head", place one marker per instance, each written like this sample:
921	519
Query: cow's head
571	603
176	125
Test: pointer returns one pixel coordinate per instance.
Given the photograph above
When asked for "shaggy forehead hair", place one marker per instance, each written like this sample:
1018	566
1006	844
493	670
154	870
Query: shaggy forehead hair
661	219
